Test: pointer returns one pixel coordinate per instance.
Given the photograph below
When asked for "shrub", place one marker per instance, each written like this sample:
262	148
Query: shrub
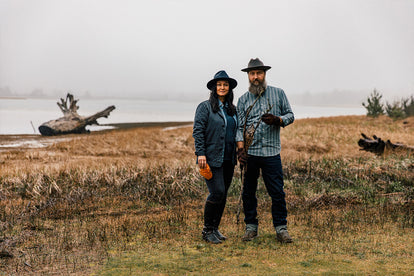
408	106
395	110
374	106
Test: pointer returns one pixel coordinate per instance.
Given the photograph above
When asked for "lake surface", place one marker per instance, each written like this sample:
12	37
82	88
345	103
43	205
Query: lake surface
24	116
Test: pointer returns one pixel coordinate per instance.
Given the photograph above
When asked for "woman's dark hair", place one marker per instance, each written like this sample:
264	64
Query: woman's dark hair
214	101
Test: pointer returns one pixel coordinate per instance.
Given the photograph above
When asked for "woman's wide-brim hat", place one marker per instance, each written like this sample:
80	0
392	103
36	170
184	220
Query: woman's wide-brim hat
256	64
221	75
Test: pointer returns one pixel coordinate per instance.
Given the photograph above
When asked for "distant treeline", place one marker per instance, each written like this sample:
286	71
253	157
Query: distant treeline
7	92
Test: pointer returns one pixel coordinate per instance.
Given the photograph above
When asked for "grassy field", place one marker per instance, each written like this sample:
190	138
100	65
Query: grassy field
129	202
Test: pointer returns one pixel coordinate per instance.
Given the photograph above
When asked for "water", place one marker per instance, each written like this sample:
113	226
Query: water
24	116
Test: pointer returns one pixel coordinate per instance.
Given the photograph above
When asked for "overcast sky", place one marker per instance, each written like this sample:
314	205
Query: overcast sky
171	48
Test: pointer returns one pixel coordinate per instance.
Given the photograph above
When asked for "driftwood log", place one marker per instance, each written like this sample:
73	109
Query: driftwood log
379	147
71	122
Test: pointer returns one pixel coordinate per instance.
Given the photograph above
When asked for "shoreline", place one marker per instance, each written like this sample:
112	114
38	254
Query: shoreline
31	141
145	124
166	124
10	142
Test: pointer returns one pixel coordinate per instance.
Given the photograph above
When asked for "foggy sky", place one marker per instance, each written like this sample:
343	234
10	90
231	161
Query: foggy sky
171	48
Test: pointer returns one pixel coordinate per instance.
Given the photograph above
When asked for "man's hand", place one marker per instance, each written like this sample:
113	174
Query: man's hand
271	119
242	156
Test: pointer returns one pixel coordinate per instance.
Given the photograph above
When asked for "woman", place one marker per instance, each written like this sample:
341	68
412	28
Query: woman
214	132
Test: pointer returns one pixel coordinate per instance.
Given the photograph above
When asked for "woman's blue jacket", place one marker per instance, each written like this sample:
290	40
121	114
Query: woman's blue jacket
209	132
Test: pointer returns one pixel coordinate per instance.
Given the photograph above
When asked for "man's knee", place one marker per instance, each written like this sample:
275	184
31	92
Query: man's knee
277	194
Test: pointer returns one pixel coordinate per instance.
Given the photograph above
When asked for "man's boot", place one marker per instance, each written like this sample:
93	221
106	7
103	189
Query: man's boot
251	232
282	234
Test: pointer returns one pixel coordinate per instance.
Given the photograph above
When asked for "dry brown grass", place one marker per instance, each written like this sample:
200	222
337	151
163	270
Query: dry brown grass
141	146
337	137
329	137
127	197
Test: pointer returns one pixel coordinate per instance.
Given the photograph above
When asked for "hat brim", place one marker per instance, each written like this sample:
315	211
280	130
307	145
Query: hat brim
264	68
212	83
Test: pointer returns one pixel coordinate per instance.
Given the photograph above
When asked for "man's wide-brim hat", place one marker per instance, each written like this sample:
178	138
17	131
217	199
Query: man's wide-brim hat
256	64
221	75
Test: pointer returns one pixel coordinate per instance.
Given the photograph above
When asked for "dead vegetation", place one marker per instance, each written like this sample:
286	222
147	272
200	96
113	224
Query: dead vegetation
380	147
71	206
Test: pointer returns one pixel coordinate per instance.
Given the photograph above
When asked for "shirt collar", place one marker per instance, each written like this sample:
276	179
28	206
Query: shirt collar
261	95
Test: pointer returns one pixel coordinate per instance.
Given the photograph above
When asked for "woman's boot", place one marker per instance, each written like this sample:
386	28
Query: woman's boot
210	213
217	220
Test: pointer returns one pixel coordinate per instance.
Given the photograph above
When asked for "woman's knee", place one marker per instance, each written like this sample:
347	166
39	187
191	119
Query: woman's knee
216	197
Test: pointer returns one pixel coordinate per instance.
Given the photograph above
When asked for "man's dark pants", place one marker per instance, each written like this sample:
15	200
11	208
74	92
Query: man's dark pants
273	178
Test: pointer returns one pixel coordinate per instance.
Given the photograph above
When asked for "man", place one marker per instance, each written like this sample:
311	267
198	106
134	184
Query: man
262	110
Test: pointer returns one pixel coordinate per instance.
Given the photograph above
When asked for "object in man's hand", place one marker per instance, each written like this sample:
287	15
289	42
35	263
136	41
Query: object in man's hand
242	156
206	172
271	119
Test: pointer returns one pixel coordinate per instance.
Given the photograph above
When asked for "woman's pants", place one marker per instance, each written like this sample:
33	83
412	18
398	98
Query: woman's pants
218	187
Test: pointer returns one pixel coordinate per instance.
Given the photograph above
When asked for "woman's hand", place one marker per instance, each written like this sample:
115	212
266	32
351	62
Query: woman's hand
202	161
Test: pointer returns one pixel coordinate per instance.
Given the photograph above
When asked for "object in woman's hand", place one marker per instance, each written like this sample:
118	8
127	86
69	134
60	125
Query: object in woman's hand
206	172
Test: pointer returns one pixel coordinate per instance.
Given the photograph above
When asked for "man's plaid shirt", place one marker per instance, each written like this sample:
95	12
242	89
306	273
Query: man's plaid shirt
266	138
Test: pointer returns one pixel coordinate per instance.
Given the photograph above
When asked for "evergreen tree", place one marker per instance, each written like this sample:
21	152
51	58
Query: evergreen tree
408	106
374	106
395	110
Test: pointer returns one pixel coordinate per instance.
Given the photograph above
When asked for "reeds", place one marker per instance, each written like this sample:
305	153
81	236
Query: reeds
96	199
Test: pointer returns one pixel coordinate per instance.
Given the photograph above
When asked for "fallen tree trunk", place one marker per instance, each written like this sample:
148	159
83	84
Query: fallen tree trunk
71	122
379	147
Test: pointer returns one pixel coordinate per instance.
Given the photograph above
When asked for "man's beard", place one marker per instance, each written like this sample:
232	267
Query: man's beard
258	89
